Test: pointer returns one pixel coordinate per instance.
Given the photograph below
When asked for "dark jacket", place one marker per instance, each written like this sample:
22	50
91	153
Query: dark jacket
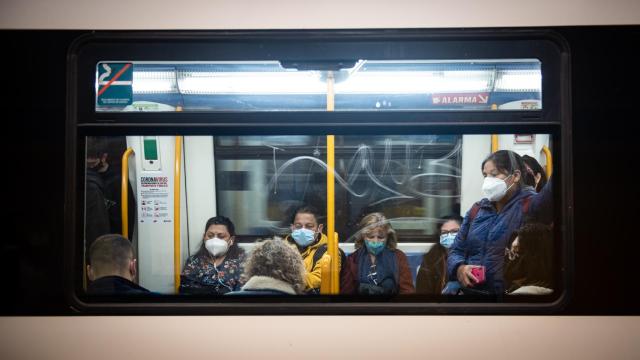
349	283
115	285
483	240
97	215
432	275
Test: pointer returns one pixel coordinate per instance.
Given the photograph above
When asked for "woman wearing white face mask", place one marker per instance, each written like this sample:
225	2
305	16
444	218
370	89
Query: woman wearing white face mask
216	268
476	258
432	275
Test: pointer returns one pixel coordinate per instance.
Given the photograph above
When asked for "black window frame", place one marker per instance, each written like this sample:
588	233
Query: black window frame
318	45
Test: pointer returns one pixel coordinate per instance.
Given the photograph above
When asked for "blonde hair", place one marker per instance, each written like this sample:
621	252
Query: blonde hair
277	259
374	221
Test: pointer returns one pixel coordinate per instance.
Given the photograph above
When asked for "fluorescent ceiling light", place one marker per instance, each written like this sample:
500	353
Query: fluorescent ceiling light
251	83
154	82
519	80
415	82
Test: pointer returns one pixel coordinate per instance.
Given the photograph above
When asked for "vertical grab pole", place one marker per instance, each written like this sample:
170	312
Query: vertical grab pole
176	213
332	246
494	143
124	193
549	166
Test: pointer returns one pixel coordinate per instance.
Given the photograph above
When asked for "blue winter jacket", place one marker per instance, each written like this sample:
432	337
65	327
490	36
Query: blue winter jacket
482	240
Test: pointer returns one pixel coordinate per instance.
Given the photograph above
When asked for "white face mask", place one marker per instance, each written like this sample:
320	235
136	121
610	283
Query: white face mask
216	247
494	188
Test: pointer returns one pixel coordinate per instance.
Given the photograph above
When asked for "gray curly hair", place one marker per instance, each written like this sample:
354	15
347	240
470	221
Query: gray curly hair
277	259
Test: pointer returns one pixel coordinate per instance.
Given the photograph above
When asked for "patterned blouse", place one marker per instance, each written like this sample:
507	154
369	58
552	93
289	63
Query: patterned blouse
200	276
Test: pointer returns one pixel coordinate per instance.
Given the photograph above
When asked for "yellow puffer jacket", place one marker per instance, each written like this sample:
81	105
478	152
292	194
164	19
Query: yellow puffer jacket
313	277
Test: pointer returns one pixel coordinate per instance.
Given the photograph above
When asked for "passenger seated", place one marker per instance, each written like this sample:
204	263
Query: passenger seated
274	267
217	266
306	234
377	267
432	275
529	261
112	267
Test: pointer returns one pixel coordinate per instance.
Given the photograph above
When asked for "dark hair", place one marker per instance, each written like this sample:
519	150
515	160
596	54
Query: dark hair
536	168
112	251
506	161
306	209
234	249
96	146
452	217
221	220
535	249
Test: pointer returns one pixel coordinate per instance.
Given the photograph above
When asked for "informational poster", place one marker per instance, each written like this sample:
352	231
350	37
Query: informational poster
155	204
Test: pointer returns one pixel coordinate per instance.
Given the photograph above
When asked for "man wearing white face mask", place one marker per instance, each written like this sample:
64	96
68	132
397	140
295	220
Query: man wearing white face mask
217	267
432	274
306	234
476	258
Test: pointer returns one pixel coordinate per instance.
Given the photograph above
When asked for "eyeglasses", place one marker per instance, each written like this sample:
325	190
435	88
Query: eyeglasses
449	232
512	255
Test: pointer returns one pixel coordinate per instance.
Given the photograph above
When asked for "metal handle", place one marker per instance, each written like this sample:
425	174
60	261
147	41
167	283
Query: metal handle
124	193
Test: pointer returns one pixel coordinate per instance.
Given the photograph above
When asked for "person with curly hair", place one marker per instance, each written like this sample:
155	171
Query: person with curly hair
274	268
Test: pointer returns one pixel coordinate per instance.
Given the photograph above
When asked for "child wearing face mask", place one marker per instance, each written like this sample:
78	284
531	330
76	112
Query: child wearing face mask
377	267
217	267
432	274
486	229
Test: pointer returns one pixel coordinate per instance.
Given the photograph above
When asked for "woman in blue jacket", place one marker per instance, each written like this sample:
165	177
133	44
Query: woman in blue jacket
488	225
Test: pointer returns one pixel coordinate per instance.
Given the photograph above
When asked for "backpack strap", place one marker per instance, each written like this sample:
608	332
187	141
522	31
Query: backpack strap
323	249
318	254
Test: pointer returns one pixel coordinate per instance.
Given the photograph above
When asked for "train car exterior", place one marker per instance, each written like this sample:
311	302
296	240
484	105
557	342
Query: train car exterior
602	97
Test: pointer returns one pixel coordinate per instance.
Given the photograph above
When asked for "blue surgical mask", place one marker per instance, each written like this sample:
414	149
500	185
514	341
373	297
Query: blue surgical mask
303	237
446	240
375	247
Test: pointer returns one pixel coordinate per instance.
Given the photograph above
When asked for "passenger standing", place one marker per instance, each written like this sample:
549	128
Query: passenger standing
274	267
536	176
377	267
112	267
97	206
488	225
217	266
432	275
306	234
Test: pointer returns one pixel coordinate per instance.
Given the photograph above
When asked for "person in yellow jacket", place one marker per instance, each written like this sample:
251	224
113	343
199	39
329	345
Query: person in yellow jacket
306	234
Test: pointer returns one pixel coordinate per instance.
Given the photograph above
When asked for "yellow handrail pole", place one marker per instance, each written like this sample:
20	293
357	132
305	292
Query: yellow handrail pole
124	193
335	268
549	166
176	213
331	227
494	143
325	274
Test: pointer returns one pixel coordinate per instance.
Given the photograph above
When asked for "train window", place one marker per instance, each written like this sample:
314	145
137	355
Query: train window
368	85
367	172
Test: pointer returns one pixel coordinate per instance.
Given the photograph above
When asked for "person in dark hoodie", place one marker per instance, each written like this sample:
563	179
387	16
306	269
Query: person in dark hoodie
112	267
476	258
96	204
